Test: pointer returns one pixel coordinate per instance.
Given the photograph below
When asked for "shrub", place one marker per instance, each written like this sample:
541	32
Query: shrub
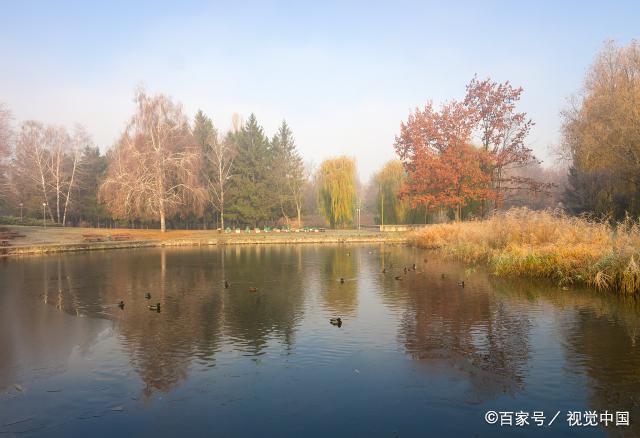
13	220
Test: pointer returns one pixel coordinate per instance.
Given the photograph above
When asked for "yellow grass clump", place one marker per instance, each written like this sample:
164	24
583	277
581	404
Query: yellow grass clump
548	244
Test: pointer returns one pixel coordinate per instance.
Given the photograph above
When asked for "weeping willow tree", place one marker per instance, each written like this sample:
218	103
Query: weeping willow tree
388	184
337	190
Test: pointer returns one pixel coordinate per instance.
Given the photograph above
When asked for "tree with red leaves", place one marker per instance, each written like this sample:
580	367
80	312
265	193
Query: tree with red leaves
444	170
502	131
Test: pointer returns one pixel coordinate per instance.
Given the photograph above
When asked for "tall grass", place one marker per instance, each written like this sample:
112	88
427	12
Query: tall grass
548	244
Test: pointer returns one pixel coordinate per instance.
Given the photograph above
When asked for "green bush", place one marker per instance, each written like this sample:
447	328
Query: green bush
13	220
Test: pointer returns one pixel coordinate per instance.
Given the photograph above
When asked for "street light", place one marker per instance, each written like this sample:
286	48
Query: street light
21	205
44	217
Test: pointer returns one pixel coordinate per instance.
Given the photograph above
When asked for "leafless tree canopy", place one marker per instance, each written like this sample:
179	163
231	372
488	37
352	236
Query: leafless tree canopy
154	167
45	166
220	155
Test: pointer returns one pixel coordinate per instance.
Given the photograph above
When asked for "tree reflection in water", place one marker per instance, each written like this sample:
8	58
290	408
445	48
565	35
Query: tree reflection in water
469	330
486	335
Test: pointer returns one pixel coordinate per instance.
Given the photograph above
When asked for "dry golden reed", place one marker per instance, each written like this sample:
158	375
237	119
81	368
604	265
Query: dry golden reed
548	244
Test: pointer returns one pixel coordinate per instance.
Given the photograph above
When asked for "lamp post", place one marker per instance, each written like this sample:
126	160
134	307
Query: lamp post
21	205
44	217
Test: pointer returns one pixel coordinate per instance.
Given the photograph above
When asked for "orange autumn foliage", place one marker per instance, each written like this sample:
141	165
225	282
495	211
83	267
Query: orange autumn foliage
444	170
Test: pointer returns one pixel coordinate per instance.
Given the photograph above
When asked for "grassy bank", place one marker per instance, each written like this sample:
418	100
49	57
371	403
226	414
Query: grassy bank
38	240
545	244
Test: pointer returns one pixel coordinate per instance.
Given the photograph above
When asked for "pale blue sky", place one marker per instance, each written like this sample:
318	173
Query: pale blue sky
343	74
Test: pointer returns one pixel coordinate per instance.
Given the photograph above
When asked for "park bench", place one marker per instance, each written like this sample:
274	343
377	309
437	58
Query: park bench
121	236
92	237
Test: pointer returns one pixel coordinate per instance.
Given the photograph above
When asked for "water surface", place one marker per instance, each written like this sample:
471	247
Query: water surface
420	356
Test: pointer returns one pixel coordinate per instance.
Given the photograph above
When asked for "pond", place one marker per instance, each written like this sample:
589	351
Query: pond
415	356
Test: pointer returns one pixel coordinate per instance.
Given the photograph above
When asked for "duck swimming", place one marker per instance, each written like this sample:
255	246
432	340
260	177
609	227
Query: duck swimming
226	284
121	304
461	283
397	277
147	296
414	266
253	289
384	270
336	321
341	280
155	307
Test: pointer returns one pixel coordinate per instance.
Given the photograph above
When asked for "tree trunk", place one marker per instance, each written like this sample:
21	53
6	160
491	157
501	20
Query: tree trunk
221	207
299	215
163	226
66	202
58	187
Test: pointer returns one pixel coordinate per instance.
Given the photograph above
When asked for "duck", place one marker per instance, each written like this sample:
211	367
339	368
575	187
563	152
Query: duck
461	283
397	277
226	284
414	267
121	304
384	270
336	321
341	280
405	269
147	296
155	307
253	289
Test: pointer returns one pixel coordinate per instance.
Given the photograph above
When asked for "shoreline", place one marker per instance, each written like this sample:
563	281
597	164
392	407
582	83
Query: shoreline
254	239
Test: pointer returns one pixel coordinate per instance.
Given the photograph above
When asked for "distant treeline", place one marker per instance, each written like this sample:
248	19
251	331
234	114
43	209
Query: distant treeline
463	160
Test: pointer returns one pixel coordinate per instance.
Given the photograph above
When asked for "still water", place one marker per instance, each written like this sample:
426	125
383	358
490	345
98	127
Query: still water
419	356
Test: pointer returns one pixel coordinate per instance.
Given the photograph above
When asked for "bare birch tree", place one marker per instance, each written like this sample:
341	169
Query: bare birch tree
46	160
220	156
154	166
78	142
31	160
56	142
